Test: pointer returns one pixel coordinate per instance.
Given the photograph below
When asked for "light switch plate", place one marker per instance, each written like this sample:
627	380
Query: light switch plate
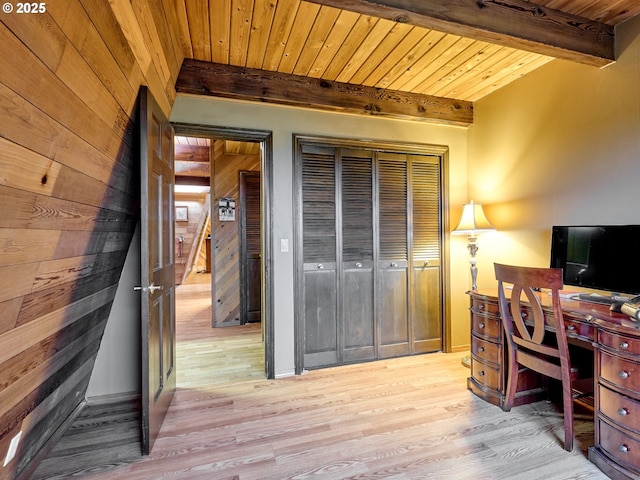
284	245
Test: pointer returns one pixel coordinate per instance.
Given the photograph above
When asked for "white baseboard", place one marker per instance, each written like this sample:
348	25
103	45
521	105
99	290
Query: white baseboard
288	373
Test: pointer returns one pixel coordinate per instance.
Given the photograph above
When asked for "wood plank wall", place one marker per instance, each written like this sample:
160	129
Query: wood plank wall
69	193
225	239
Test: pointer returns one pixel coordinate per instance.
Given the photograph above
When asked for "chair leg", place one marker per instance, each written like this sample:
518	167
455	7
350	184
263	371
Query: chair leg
512	385
567	401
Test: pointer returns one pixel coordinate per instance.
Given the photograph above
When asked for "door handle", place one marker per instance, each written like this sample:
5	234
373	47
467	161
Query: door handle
151	288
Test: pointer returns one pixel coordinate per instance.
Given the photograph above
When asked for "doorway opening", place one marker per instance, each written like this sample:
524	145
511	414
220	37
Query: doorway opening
222	249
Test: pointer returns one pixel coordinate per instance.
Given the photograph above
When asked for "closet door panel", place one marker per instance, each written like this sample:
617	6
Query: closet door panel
319	256
357	286
426	248
393	255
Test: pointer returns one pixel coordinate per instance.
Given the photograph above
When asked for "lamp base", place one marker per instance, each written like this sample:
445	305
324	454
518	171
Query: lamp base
466	361
473	249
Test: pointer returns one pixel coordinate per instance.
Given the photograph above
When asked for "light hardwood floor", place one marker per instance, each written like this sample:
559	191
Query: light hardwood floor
208	356
404	418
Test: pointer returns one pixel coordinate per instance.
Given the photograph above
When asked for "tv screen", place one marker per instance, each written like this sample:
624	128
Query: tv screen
603	257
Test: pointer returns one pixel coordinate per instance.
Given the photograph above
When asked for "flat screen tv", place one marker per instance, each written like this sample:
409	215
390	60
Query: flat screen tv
602	257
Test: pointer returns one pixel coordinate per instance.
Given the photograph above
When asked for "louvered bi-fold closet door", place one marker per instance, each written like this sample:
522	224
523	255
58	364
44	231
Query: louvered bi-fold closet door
356	289
426	245
393	256
319	256
371	240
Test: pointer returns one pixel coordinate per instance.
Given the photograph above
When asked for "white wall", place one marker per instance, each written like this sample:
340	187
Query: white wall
118	364
286	121
559	146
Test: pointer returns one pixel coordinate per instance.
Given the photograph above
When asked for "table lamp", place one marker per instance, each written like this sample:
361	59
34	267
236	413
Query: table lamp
473	222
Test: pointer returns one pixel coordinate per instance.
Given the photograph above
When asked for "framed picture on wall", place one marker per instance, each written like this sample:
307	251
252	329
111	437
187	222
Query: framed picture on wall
182	214
227	209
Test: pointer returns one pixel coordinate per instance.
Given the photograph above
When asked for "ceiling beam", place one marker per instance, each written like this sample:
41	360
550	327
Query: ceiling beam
192	181
518	24
191	153
194	169
214	79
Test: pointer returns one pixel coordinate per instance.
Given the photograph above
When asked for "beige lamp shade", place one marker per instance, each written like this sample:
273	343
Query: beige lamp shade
473	220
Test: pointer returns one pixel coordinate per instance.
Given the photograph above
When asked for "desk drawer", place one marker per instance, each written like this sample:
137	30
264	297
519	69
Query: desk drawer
484	306
581	329
619	444
620	372
486	375
485	350
618	342
486	326
622	410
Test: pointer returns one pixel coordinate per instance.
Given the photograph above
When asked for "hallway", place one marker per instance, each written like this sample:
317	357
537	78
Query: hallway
208	356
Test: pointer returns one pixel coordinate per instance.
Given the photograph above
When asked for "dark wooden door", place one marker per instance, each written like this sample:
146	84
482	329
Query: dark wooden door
393	287
157	267
250	248
356	290
426	251
319	259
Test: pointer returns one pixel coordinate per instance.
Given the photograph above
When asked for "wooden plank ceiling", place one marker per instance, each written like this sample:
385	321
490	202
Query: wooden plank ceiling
477	47
192	157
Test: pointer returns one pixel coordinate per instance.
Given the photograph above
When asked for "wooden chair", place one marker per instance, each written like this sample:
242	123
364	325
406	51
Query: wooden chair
534	347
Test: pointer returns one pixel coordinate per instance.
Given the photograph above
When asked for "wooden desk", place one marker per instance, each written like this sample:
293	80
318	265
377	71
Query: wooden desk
615	341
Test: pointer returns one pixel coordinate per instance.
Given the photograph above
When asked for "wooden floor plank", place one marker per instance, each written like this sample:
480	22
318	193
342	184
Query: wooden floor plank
402	418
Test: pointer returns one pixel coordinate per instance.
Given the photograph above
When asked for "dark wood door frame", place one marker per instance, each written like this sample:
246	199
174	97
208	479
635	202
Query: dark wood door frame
265	138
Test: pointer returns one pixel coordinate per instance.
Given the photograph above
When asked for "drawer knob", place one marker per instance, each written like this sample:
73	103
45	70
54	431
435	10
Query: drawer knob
624	448
481	306
623	374
320	266
480	349
358	265
481	325
623	412
394	264
571	328
624	345
481	373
